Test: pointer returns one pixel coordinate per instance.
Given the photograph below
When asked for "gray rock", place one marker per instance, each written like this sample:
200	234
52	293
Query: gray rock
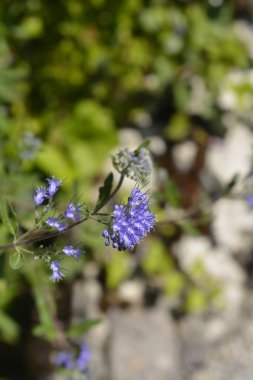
205	358
144	346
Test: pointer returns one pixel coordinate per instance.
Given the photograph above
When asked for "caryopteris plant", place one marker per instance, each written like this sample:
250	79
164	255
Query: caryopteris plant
125	227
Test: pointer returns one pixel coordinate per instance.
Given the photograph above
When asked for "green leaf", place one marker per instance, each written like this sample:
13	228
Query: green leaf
105	191
8	216
81	328
16	260
145	144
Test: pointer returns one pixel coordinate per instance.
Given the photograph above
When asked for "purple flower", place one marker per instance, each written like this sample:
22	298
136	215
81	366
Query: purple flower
64	359
73	212
53	185
56	273
249	200
71	251
83	357
62	226
131	222
54	223
39	196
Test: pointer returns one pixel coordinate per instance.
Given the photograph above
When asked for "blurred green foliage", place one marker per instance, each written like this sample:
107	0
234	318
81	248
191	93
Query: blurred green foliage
73	73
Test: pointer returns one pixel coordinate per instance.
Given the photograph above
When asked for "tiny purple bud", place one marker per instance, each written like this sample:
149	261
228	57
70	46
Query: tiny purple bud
105	234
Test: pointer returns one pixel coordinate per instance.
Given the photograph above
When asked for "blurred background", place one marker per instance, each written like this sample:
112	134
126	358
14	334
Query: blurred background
78	80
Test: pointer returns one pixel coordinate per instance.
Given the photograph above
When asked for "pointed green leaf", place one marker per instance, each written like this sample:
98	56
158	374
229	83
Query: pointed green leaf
9	217
105	191
145	144
77	330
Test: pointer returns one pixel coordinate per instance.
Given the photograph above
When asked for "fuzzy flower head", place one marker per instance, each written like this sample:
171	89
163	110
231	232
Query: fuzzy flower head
56	272
71	251
131	222
136	164
40	195
53	186
73	212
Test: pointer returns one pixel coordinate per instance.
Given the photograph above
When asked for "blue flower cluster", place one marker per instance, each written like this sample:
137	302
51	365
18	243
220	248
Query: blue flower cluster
130	223
66	359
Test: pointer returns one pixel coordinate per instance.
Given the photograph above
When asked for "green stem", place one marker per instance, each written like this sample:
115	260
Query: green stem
45	236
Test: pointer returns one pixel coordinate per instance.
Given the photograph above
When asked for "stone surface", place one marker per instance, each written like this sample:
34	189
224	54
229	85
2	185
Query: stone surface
144	346
184	155
235	151
233	225
205	358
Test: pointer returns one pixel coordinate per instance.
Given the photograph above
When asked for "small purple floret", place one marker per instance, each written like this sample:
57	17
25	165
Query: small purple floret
53	185
40	195
71	251
54	223
73	212
56	273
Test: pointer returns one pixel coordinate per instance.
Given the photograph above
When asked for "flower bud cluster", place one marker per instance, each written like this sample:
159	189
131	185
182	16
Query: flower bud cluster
136	164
